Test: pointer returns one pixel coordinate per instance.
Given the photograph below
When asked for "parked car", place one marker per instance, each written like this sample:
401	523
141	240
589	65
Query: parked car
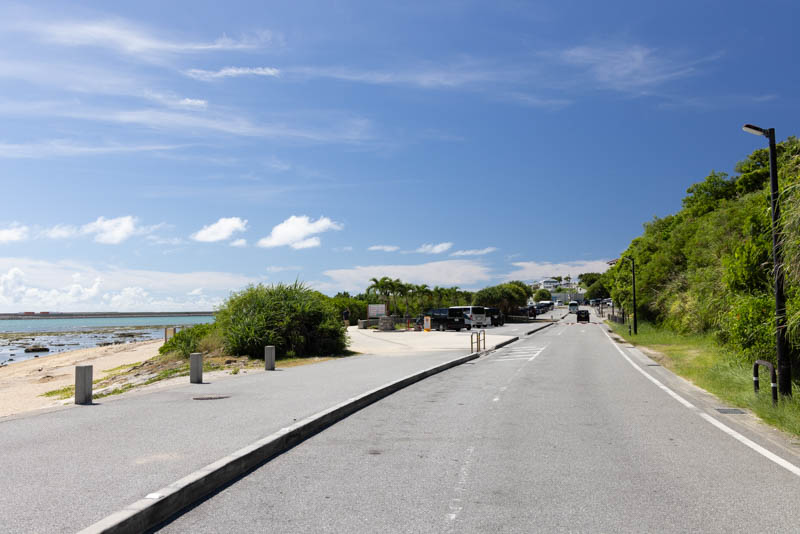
542	307
475	315
444	319
583	316
495	317
527	311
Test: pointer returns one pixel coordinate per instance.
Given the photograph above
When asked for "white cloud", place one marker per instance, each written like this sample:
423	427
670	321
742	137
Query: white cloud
170	100
196	291
428	77
223	229
56	286
113	231
231	72
239	243
61	231
534	270
280	269
474	252
428	248
158	240
15	232
384	248
444	273
296	232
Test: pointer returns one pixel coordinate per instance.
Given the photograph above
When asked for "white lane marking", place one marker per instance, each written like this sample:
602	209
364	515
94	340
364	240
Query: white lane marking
650	378
455	503
720	425
755	446
560	332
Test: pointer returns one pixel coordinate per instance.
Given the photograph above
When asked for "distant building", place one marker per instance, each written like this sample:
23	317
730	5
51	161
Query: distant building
548	284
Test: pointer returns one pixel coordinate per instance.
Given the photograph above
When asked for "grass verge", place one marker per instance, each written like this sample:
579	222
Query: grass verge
714	368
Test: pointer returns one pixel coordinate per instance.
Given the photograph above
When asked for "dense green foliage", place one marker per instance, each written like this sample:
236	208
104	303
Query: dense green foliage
708	268
542	294
188	340
405	299
508	297
295	319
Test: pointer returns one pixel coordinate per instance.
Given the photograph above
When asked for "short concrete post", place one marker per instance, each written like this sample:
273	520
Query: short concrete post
83	384
196	368
269	358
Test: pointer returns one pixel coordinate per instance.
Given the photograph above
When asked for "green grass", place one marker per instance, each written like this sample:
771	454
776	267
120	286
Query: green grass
714	368
62	393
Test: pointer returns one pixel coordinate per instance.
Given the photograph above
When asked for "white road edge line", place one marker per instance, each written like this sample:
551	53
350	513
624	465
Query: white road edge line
722	426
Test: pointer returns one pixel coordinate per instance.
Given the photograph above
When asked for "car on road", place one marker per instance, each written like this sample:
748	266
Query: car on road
495	317
583	316
443	319
475	315
573	306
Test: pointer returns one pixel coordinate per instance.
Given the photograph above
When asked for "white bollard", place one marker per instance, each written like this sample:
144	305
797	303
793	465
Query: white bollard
83	384
269	358
196	368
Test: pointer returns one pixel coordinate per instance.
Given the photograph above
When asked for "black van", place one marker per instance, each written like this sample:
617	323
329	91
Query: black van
443	319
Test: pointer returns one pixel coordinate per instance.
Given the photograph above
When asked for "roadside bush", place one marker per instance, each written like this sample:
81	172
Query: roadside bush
749	326
187	340
295	319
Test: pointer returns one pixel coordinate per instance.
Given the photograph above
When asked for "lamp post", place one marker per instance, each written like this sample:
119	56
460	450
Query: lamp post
782	347
633	271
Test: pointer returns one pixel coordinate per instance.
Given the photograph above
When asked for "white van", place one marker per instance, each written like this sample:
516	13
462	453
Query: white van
573	306
475	315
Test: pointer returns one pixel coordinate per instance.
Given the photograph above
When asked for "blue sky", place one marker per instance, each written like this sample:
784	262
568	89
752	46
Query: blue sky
156	156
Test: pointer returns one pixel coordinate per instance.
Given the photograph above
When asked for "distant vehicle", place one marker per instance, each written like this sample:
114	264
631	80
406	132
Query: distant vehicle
559	303
443	319
547	304
573	306
542	307
475	315
583	316
495	317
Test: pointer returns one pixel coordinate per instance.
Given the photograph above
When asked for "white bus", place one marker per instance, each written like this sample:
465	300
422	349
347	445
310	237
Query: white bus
573	306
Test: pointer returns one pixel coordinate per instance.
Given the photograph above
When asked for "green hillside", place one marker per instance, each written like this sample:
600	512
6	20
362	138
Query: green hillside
708	268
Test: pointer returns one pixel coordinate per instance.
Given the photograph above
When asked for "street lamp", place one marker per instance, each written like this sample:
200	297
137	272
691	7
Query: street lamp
784	363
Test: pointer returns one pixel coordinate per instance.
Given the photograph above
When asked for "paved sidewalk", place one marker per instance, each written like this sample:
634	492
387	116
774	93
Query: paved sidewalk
66	469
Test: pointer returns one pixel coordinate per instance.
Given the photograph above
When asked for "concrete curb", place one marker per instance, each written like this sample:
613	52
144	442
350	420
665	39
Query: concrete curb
159	506
504	343
540	328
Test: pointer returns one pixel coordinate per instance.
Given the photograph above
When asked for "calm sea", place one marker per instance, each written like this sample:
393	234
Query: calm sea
60	335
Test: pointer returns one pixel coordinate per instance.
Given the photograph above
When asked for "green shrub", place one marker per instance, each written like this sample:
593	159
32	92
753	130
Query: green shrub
749	327
187	340
295	319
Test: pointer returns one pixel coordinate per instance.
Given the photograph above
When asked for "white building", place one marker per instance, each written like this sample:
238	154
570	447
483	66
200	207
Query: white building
548	284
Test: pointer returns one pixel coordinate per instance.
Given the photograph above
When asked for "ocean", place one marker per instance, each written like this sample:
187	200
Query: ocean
60	335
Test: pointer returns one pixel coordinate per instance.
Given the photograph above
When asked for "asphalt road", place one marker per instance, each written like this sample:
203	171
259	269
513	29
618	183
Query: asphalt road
559	432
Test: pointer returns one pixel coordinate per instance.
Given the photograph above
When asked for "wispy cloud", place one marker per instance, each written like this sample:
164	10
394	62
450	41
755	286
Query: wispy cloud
12	233
429	248
239	243
630	67
65	148
128	38
474	252
384	248
231	72
298	232
423	76
221	230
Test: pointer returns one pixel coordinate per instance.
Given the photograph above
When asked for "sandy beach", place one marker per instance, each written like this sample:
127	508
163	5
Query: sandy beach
22	384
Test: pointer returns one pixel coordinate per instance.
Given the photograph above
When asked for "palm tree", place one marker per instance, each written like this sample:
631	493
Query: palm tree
424	295
382	287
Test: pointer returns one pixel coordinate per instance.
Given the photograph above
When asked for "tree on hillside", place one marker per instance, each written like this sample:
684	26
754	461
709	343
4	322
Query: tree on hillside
706	195
587	279
542	294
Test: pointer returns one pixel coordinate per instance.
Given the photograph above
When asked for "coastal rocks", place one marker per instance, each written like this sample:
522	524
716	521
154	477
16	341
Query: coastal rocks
37	348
